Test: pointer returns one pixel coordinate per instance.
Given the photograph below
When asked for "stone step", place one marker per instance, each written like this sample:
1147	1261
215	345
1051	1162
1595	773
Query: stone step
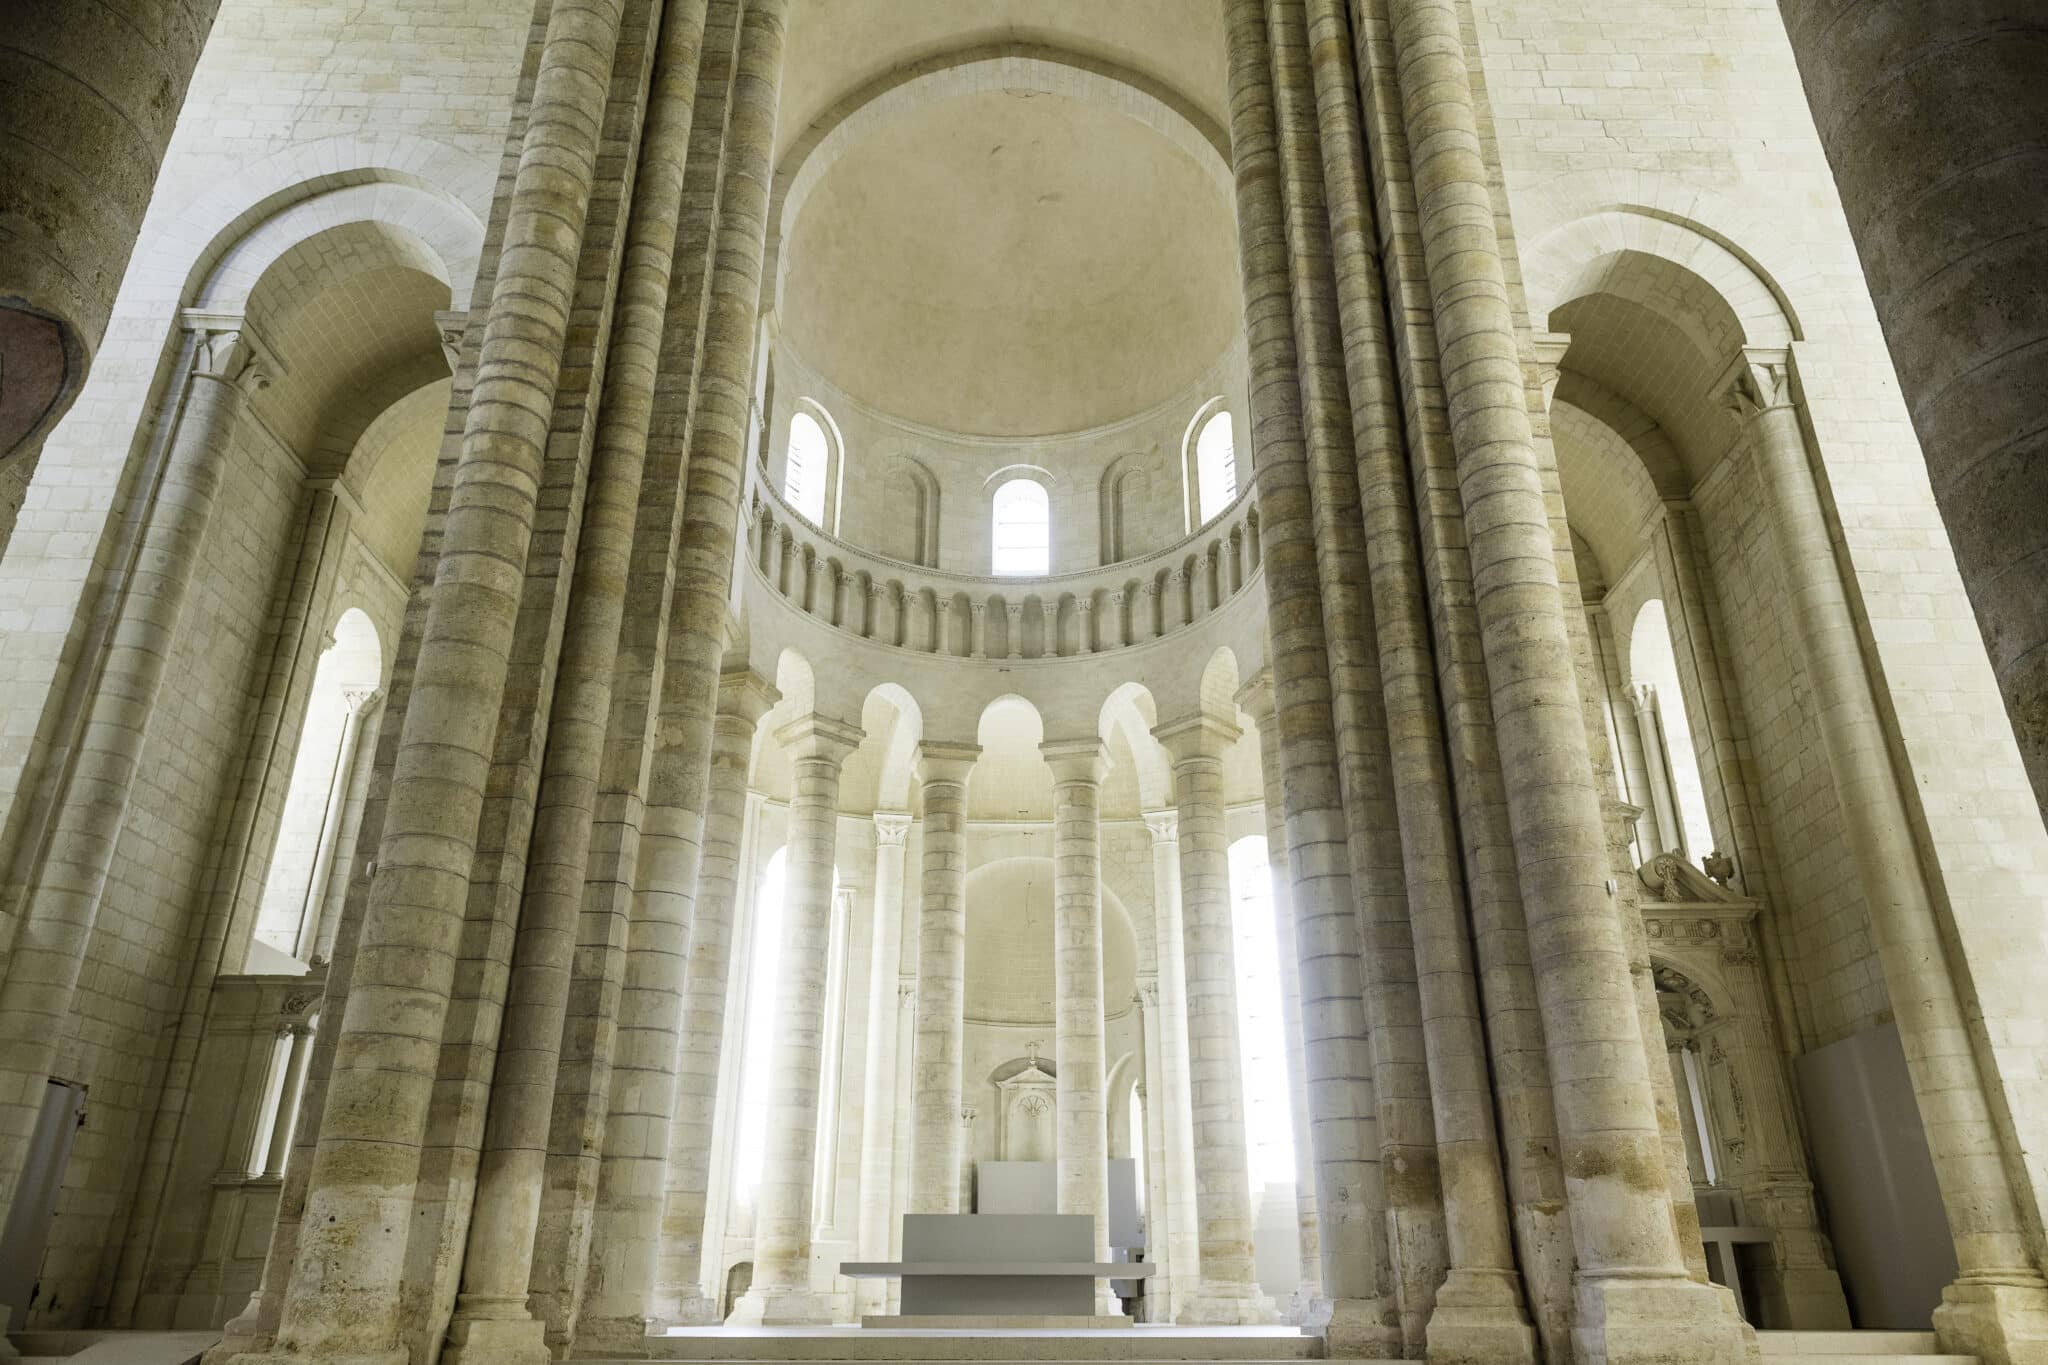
1832	1344
1211	1346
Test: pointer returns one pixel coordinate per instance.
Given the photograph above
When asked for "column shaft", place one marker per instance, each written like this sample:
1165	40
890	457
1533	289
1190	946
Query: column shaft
878	1104
1446	748
1181	1248
2000	1289
1080	1105
1350	1195
781	1292
1634	1295
367	1161
1417	1245
1932	119
936	1155
58	917
1308	1245
578	774
678	1297
1229	1291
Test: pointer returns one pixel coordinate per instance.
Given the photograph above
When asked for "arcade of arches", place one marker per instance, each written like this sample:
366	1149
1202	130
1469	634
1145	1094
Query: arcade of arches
639	637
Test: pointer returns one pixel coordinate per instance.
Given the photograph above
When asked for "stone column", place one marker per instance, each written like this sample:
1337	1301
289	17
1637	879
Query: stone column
313	929
1669	834
1635	1298
1351	1197
89	93
1015	643
781	1293
902	1129
1998	1308
580	773
1932	117
1256	701
666	1282
1078	766
1158	1218
298	1054
878	1105
225	364
344	1296
1229	1292
1180	1248
936	1158
1444	743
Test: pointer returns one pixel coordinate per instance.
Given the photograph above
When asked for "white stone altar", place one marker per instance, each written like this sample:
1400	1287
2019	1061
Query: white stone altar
970	1270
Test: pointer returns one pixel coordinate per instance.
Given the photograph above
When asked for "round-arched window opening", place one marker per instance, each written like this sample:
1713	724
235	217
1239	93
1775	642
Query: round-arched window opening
1215	467
804	474
1022	531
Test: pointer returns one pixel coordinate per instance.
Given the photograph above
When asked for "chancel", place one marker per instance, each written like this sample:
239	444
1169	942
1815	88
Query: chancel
998	680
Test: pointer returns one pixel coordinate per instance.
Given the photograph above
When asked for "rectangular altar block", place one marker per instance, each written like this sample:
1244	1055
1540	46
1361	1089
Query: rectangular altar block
998	1267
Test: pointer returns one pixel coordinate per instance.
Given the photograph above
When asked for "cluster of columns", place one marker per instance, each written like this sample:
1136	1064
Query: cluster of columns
1439	800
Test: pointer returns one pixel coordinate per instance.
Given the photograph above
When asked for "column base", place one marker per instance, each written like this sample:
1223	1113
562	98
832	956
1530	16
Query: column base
615	1338
694	1310
249	1332
781	1308
1668	1320
496	1341
8	1353
1227	1305
1479	1320
2001	1319
395	1356
1359	1329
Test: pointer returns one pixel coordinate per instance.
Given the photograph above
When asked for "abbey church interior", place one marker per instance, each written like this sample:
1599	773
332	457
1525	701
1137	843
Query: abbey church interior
816	681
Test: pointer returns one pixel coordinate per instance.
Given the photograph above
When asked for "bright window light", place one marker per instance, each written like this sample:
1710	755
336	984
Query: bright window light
1215	466
1023	529
757	1045
1262	1040
803	481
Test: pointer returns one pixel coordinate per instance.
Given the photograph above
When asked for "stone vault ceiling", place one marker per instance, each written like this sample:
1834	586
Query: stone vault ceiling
1012	264
838	46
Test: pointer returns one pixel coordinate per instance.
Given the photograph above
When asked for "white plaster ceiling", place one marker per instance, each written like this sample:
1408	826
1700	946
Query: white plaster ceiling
1008	263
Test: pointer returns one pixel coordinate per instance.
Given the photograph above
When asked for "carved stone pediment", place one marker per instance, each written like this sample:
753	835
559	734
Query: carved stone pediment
1669	878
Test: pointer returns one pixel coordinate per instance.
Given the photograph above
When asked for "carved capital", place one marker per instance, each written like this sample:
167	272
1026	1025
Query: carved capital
892	828
1757	380
451	324
1164	824
224	348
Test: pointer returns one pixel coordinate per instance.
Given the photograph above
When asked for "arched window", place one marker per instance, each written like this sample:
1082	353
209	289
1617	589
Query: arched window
1023	529
301	891
1215	466
805	474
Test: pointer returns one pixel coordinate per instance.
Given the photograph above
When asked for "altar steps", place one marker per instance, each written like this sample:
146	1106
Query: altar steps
1856	1348
1114	1346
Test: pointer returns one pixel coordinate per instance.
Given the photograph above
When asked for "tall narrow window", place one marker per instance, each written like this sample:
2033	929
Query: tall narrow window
1023	529
757	1044
1215	466
803	480
1268	1119
301	884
